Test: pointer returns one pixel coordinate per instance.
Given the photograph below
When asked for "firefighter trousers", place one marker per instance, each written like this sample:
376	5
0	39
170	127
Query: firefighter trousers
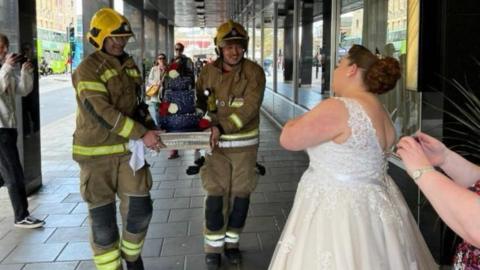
229	178
101	180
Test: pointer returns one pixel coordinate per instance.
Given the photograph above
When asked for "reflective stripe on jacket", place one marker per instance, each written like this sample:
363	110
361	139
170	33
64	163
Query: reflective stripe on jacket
106	102
239	95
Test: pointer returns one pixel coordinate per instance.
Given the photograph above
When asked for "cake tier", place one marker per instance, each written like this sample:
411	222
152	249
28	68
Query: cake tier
185	100
179	83
180	122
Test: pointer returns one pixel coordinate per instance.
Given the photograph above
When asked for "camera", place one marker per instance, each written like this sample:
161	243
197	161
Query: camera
20	58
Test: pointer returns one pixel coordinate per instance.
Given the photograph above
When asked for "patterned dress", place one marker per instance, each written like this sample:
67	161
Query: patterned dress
348	214
468	256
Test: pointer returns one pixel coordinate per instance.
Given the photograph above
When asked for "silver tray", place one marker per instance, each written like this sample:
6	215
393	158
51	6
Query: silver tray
186	140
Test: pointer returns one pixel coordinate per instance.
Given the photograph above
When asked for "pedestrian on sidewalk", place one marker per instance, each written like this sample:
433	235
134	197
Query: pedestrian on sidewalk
155	86
237	86
110	118
11	171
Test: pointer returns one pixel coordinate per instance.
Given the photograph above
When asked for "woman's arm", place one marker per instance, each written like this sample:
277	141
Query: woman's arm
458	168
461	170
324	122
456	205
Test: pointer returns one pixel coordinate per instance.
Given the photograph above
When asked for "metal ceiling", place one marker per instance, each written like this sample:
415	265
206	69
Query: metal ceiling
200	13
211	13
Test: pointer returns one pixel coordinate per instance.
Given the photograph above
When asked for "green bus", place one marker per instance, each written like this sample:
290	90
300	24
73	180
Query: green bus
53	47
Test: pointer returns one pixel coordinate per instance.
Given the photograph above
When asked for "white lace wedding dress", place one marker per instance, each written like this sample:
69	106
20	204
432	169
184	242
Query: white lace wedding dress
348	214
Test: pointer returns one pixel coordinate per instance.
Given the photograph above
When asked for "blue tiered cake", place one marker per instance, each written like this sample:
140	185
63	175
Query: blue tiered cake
181	115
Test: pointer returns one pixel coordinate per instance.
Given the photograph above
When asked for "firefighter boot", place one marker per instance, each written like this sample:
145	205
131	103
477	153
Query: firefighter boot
234	256
213	261
136	265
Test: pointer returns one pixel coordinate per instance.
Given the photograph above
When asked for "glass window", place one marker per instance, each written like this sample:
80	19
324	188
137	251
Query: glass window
133	47
351	27
268	65
150	45
280	54
310	77
285	56
198	42
118	5
251	47
162	37
310	61
389	39
402	104
9	22
258	39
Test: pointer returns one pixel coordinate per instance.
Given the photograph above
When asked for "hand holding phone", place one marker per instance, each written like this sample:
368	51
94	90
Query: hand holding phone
14	58
20	58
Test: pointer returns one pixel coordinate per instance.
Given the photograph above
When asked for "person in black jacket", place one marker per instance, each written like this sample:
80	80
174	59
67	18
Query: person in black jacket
186	68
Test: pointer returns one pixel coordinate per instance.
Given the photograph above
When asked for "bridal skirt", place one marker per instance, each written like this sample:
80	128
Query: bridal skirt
350	225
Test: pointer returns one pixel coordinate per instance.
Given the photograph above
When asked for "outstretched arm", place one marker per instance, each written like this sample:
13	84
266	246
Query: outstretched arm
458	168
456	205
324	122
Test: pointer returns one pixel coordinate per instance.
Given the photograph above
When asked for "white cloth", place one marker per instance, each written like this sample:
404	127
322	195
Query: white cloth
137	160
12	83
348	214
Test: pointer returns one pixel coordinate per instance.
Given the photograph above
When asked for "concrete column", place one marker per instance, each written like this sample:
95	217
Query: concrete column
28	108
171	40
262	33
254	28
163	36
306	47
327	36
296	53
288	48
275	45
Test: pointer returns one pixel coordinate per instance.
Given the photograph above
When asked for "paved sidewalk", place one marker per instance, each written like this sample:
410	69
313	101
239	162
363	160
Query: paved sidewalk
174	239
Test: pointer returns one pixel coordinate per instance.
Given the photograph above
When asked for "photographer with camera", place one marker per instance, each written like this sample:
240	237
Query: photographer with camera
11	172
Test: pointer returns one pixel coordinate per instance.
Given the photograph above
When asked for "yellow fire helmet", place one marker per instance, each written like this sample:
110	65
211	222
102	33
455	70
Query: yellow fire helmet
230	31
106	22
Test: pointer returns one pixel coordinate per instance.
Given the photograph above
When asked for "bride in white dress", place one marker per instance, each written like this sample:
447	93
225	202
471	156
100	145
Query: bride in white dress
348	214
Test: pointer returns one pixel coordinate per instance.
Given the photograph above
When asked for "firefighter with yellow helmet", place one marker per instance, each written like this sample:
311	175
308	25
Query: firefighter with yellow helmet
230	91
107	83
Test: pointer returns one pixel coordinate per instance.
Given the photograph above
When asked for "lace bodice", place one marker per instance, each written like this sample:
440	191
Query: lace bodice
359	158
348	213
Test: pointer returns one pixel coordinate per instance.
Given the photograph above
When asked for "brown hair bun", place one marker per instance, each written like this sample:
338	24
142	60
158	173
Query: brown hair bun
382	76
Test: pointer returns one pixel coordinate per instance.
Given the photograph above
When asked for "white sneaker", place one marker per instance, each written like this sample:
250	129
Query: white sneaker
29	223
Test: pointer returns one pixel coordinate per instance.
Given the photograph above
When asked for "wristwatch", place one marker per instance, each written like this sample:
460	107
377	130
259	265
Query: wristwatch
416	174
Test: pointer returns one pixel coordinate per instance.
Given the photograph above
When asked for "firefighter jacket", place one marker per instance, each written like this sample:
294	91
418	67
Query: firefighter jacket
238	95
106	93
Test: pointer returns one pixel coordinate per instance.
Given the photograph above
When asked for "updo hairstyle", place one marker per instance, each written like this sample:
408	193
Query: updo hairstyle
380	75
